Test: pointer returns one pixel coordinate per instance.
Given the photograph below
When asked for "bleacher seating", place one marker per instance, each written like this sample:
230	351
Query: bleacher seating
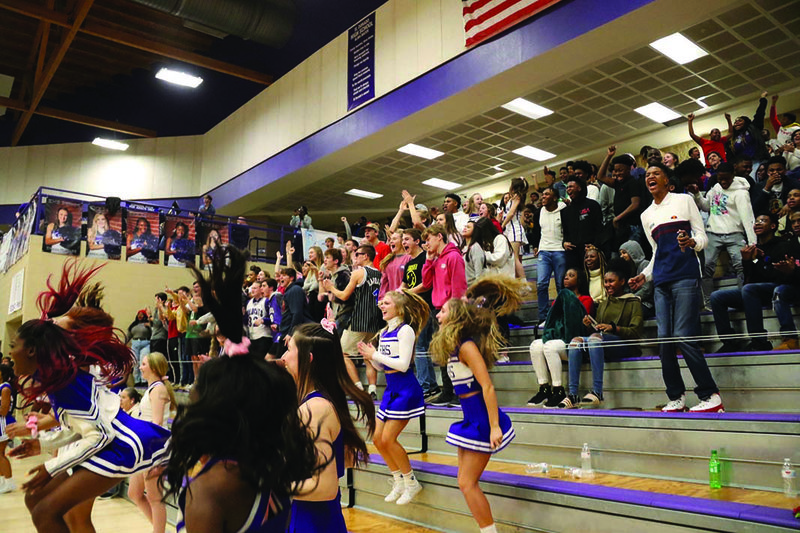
652	468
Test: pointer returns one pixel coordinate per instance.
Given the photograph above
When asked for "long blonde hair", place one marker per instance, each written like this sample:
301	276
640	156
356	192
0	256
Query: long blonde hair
159	366
476	318
411	308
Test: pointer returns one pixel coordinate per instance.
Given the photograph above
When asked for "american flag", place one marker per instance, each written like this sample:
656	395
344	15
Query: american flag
486	18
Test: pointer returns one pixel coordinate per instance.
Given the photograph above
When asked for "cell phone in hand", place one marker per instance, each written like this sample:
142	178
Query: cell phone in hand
593	322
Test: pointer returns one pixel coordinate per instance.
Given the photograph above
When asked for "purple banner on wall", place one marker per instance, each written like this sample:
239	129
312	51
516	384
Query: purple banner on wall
361	62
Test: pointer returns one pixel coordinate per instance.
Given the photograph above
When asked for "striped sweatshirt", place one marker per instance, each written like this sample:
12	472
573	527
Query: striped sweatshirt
661	223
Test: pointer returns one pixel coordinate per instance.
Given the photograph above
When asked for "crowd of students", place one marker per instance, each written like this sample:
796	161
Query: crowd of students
272	359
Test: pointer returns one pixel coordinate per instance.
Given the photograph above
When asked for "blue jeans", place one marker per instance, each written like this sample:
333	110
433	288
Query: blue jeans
425	370
187	373
678	315
733	243
550	263
752	297
783	297
597	356
140	348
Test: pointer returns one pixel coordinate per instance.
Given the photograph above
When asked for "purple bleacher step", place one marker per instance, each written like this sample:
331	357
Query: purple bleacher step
738	511
655	357
622	413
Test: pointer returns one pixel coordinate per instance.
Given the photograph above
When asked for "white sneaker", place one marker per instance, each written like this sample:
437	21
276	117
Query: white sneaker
675	406
409	493
713	404
398	487
7	485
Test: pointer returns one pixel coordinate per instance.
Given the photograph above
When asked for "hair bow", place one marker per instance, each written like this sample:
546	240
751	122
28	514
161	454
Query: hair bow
232	349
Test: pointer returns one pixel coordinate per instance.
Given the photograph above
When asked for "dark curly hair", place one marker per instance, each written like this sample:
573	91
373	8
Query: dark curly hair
244	410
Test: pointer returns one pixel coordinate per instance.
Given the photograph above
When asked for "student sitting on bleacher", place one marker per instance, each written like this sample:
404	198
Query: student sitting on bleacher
788	294
632	252
619	317
761	279
564	322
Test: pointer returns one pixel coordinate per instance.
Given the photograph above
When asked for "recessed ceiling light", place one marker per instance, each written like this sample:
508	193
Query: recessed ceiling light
442	184
179	78
499	167
420	151
678	48
108	143
527	108
534	153
701	103
657	112
364	194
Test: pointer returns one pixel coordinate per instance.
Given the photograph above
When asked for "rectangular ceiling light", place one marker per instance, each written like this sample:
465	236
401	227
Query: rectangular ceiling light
178	78
657	112
678	48
442	184
534	153
111	145
527	108
364	194
420	151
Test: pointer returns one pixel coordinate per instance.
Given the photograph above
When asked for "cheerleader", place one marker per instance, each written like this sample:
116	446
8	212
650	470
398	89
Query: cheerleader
511	224
99	443
468	341
405	313
239	449
6	419
157	403
314	359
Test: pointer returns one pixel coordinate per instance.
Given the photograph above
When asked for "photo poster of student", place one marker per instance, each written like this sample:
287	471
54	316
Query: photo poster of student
213	234
103	233
179	246
143	233
62	226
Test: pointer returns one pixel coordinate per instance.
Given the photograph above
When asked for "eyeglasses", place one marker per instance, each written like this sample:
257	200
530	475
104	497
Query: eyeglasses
360	253
774	171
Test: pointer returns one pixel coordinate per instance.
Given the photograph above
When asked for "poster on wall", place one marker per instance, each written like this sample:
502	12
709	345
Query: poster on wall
213	234
62	226
104	233
15	298
5	250
315	237
179	246
361	62
143	233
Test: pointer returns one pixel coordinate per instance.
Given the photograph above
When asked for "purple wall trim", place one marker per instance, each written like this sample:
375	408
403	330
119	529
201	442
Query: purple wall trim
564	22
737	511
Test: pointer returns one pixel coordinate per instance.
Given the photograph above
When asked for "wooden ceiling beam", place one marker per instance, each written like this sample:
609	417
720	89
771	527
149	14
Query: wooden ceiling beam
77	18
126	38
77	118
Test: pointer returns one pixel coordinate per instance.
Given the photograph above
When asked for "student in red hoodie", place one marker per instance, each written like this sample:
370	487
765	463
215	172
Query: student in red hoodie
445	274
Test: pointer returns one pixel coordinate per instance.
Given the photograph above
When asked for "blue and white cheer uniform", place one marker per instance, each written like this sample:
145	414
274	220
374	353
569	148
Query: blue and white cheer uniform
403	397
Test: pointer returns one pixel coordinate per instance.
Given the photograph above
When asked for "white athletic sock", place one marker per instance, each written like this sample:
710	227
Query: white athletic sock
373	388
489	529
409	479
398	477
539	363
360	385
552	352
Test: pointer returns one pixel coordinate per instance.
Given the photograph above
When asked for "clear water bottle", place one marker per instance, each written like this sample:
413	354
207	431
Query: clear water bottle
586	462
789	479
713	471
537	468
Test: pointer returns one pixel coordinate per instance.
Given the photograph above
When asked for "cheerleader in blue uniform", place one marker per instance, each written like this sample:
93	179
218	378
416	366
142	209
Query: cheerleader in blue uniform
6	419
99	443
467	342
405	313
239	449
314	359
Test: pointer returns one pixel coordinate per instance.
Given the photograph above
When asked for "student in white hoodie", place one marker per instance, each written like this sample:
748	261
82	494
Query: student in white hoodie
730	223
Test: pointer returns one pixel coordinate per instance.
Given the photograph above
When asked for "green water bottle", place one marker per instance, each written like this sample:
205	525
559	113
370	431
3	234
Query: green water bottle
713	471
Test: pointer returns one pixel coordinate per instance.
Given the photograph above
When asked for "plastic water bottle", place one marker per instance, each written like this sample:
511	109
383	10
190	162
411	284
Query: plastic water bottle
713	471
537	468
586	462
789	479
